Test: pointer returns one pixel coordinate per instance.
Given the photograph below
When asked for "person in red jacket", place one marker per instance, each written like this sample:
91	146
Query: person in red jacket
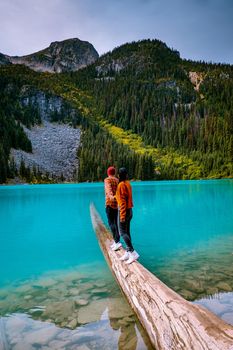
110	187
125	214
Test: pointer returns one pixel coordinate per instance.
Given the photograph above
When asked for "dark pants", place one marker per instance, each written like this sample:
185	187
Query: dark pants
112	215
124	229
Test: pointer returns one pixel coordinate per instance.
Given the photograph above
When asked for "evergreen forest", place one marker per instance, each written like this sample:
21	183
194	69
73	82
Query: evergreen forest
139	106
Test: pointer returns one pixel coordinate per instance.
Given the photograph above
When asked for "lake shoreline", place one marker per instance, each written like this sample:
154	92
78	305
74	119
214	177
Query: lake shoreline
101	182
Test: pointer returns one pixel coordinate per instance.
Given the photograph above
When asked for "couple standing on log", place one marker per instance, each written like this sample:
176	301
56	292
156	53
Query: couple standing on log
119	204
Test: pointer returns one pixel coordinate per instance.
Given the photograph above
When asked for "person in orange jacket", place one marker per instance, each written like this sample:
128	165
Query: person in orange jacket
110	187
125	214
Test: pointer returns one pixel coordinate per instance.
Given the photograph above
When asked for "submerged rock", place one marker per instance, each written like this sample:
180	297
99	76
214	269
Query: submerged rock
81	302
86	286
100	284
72	324
119	308
187	294
37	312
59	311
99	291
55	293
223	286
23	288
92	312
73	291
45	282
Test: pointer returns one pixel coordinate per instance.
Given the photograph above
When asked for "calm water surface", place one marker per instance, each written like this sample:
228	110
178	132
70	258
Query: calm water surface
55	288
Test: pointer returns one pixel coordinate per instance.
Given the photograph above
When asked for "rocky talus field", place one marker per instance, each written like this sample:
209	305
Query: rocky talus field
54	149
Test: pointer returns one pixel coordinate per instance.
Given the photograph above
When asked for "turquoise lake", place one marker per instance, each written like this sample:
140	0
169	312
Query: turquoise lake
55	287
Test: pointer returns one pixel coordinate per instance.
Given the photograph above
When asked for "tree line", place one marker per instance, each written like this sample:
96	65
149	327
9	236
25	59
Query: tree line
144	88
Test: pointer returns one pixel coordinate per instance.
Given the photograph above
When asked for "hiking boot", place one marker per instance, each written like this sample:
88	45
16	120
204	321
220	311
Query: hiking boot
124	256
116	246
132	257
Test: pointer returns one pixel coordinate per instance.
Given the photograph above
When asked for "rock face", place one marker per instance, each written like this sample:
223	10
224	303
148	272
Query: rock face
47	105
4	59
54	145
196	79
60	56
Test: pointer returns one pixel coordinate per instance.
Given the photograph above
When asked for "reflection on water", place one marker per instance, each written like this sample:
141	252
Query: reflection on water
69	310
220	304
19	331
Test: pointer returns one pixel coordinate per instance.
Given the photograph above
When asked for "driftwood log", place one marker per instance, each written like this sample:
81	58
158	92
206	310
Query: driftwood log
171	322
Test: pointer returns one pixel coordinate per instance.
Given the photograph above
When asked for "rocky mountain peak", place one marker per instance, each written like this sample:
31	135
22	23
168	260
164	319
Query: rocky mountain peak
4	59
60	56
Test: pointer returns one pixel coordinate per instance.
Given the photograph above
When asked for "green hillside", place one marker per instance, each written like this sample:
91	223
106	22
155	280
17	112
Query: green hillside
138	106
153	96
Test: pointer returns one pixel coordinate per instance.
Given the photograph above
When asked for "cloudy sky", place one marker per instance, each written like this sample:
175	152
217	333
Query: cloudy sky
198	29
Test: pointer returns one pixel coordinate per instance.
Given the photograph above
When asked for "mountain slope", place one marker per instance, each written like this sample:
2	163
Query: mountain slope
63	56
144	107
146	88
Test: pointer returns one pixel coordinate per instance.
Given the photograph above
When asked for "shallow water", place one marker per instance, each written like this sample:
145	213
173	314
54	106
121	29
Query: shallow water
80	308
54	282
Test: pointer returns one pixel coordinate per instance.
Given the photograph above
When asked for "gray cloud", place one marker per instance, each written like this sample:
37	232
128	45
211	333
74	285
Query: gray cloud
199	29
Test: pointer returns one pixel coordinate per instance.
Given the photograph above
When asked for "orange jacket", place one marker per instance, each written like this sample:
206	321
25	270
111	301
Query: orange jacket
124	198
110	186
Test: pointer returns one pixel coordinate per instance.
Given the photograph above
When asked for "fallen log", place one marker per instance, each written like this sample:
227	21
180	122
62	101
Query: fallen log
171	322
